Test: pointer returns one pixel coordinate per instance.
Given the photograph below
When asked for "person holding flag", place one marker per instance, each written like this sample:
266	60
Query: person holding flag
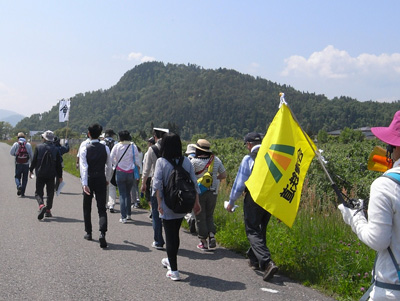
255	217
381	231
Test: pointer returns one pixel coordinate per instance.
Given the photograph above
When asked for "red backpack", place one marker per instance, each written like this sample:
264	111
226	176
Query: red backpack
22	155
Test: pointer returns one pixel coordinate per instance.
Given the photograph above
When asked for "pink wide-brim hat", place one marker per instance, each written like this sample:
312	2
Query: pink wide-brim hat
391	134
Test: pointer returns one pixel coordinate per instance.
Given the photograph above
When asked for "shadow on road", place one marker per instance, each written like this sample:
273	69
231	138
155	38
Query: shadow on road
219	253
61	219
212	283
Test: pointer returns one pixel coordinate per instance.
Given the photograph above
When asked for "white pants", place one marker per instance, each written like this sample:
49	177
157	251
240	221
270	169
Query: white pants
112	195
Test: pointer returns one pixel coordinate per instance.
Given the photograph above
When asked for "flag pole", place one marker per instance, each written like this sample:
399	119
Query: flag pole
317	153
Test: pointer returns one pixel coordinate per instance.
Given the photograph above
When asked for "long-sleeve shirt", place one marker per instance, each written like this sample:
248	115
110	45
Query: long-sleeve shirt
83	165
244	172
160	179
14	149
128	162
149	162
381	230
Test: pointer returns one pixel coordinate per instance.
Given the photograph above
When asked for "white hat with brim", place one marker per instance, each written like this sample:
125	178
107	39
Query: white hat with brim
204	145
48	135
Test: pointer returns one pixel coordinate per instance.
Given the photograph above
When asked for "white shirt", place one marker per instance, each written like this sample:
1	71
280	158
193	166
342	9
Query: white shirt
128	162
381	230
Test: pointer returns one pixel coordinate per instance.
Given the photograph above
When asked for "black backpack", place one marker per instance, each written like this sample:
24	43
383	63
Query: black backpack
47	167
180	192
21	155
156	150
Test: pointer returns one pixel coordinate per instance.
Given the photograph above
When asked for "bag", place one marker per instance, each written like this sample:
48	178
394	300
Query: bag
113	180
156	150
180	192
206	180
22	156
136	175
47	167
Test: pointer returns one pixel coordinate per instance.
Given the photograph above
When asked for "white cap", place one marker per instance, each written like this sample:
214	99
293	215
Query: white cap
161	130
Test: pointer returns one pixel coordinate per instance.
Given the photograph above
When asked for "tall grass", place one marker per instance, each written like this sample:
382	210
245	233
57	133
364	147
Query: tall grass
319	251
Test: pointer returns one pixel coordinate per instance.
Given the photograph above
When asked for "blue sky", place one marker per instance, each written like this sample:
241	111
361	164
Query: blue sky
51	50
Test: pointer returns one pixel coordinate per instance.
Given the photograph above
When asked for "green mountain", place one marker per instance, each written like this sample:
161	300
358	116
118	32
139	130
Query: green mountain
190	100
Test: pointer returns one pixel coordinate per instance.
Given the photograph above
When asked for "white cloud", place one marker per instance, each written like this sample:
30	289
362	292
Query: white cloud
335	72
137	56
332	63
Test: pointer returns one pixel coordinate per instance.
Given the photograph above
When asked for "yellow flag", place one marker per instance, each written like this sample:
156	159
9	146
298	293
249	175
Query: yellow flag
281	166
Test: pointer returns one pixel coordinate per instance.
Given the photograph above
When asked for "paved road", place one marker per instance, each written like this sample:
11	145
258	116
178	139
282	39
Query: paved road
50	260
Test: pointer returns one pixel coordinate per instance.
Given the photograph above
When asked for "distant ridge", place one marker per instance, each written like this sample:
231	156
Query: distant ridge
11	117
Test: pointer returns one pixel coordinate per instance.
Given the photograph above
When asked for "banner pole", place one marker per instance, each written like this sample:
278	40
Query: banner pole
317	153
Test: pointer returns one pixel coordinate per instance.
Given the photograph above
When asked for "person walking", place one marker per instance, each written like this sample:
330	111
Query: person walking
381	231
22	151
148	170
109	135
135	194
147	194
124	156
171	149
47	165
95	169
203	162
255	217
63	149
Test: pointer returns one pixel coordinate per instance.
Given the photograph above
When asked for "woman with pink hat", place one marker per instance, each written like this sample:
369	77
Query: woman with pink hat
381	231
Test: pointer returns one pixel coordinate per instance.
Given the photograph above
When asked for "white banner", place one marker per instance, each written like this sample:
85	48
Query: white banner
63	112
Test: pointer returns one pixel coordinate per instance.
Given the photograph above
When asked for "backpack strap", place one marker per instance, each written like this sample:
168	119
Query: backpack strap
393	176
209	166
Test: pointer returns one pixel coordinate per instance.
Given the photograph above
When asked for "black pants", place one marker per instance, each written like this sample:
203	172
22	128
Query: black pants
171	228
97	187
256	221
49	183
147	192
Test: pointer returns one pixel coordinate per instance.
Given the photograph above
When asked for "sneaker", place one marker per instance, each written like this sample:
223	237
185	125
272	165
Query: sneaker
154	245
88	236
151	215
165	263
128	217
254	265
202	246
19	190
102	240
122	220
112	210
42	210
212	243
270	271
48	214
173	275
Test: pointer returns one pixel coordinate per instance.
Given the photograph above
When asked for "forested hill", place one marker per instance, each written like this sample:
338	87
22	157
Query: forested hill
220	103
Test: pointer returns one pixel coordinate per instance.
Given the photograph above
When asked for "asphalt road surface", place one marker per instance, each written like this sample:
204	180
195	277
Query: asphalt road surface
50	260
